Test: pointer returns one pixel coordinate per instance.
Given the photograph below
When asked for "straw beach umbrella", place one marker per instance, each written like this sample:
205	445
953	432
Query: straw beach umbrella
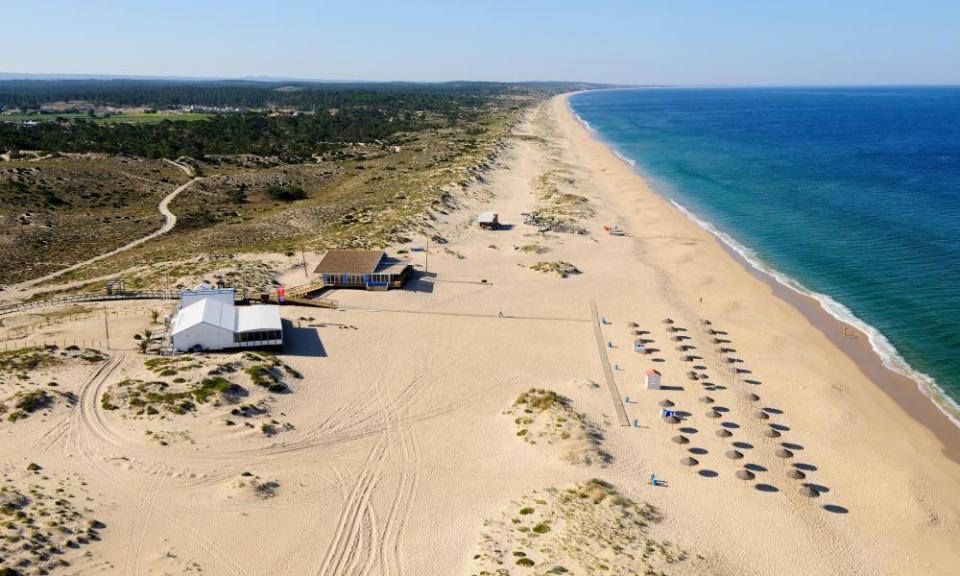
745	475
809	492
688	461
713	414
705	322
751	396
706	399
771	433
632	325
680	439
668	321
784	453
796	474
666	403
734	454
761	415
723	433
671	419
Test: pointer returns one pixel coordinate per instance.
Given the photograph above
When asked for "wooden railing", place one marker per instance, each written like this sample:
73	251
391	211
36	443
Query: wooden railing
100	296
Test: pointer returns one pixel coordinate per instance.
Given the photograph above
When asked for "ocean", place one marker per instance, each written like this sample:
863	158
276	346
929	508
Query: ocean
851	195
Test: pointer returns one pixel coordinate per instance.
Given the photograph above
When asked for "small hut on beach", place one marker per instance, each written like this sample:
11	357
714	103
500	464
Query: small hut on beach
652	379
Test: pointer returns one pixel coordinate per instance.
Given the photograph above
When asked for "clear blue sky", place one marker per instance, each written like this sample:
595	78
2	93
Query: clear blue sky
638	41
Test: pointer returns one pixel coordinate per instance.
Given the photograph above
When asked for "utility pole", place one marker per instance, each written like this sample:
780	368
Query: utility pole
426	265
303	257
106	326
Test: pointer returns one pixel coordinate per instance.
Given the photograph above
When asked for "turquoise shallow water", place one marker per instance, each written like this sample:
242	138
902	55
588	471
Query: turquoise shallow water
850	194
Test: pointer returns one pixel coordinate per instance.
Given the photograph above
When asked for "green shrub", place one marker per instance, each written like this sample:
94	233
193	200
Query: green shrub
541	528
261	375
209	387
285	193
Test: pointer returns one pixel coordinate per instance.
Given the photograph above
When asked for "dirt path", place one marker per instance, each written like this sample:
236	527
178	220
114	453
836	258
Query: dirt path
163	207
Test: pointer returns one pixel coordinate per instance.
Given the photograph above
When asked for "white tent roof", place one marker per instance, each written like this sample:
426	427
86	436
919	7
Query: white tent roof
258	317
487	217
205	311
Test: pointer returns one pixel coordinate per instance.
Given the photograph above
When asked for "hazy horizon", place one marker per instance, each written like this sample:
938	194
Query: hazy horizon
79	76
739	43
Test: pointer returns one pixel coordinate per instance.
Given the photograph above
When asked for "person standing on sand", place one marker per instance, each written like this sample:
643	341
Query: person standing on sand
500	311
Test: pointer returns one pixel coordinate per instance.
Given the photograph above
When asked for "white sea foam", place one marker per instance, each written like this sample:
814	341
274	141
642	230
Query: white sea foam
625	159
889	355
580	118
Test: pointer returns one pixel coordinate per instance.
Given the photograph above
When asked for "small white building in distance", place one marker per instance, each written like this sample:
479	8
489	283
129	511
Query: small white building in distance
488	220
205	290
214	322
653	379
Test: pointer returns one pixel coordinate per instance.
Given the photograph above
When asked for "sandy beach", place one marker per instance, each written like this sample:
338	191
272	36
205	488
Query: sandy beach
405	445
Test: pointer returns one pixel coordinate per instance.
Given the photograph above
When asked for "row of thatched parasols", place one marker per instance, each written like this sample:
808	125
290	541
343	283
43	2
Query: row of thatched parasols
743	473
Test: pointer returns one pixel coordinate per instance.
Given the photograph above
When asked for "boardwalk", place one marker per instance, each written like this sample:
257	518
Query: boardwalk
607	371
90	297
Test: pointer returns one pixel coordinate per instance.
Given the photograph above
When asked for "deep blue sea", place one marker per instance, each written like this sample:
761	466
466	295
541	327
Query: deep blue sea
850	194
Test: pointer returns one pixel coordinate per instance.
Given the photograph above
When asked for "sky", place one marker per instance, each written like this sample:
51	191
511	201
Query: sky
676	42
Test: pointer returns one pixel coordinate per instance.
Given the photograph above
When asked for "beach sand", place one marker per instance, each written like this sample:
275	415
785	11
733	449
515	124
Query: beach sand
402	449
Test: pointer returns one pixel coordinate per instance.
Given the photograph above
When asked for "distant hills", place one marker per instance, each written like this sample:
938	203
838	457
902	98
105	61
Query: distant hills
21	76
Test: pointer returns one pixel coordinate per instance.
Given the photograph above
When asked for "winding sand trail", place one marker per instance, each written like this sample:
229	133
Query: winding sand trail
168	225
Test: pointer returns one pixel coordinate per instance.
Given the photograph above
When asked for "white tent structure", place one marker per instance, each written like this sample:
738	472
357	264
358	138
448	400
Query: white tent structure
216	324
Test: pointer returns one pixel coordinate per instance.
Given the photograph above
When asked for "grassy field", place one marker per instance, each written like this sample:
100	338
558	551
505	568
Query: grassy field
131	118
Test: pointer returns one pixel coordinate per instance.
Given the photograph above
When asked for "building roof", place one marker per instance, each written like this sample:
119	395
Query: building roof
651	372
227	316
205	311
258	317
349	262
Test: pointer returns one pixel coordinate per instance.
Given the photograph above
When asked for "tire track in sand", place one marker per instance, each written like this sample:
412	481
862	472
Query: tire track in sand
88	428
134	558
403	444
344	551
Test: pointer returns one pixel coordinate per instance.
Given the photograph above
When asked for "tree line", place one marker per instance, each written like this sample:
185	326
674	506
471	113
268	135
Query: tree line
287	136
32	94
